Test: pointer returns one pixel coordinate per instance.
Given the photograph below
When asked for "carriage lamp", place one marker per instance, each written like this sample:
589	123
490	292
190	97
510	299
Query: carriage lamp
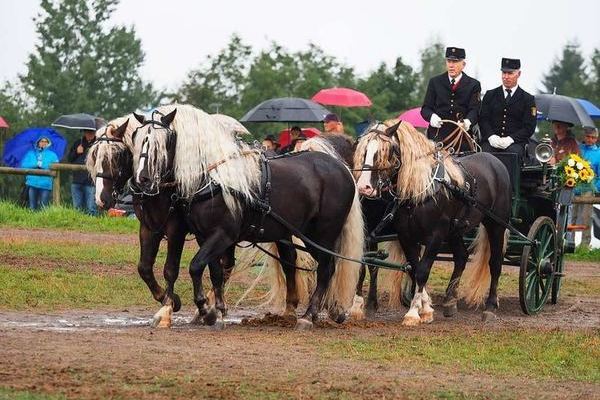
544	151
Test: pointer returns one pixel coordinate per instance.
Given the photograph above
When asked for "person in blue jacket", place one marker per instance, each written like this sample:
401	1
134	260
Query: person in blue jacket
39	187
582	213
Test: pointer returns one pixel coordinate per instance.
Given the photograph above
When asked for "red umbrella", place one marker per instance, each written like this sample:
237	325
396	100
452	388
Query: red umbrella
413	116
284	135
3	123
343	97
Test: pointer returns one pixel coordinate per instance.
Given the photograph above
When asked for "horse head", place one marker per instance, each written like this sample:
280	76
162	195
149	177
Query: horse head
377	158
110	163
154	141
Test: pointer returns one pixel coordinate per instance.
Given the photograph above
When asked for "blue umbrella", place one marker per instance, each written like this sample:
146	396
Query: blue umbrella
590	108
21	143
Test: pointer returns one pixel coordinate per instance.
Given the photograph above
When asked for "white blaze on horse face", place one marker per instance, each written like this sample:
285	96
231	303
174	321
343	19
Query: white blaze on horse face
364	180
143	161
99	189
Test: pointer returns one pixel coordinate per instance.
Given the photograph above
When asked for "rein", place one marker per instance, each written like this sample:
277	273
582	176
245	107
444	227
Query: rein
223	161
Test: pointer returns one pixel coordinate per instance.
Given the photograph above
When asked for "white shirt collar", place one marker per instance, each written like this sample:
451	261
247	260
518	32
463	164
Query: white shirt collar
455	79
513	90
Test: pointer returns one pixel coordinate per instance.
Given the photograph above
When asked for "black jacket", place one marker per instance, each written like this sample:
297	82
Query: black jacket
462	103
80	177
516	119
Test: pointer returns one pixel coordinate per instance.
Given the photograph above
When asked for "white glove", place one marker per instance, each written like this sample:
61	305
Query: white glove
466	124
495	141
505	142
435	121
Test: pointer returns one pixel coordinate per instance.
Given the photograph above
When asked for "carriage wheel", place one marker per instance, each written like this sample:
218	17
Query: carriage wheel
407	290
537	266
561	224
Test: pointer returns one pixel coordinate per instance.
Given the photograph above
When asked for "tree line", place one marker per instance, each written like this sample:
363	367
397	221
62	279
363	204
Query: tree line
83	63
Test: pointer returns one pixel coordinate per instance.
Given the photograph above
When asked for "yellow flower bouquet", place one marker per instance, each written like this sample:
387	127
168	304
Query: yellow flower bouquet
574	171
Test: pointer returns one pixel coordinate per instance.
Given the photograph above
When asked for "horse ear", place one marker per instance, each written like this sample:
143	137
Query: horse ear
392	129
140	118
120	131
167	119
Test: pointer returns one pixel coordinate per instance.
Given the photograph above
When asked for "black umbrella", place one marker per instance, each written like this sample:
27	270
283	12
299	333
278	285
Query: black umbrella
79	121
563	108
286	109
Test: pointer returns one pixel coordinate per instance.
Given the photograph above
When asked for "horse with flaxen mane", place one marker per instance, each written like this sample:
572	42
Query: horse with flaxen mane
427	184
110	162
236	194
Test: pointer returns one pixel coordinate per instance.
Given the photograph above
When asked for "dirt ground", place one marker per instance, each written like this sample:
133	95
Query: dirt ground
115	354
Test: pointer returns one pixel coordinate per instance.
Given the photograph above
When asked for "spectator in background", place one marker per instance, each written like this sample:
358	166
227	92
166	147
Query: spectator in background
82	187
332	124
269	143
295	132
583	212
563	141
39	187
298	142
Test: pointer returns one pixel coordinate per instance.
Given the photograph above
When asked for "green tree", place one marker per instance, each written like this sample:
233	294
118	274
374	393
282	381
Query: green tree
217	84
432	64
83	65
594	86
568	75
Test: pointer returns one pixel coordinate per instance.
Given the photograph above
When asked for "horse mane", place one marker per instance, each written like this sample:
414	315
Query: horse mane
101	151
202	141
322	145
417	163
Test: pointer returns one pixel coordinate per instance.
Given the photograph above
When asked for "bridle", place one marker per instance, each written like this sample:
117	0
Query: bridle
153	125
385	176
117	191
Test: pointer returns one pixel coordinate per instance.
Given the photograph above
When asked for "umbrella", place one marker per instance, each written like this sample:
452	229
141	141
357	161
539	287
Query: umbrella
231	124
563	108
79	121
3	123
342	97
413	117
21	143
286	109
284	135
590	108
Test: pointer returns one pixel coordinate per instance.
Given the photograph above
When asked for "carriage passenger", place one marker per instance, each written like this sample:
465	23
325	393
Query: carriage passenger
508	113
563	141
452	95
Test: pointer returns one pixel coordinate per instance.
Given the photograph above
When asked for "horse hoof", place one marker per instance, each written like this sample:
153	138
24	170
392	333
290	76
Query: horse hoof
218	325
176	302
337	317
303	325
411	321
450	310
210	318
426	318
488	316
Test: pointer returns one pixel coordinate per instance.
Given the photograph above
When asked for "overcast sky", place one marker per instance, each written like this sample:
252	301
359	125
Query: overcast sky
178	34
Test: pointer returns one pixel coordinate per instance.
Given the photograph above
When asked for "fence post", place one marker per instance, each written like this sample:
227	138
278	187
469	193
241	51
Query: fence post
56	188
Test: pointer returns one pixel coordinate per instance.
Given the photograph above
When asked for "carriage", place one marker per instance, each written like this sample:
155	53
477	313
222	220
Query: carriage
538	230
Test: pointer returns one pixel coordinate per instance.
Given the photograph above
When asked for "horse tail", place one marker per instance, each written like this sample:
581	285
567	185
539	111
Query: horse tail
476	278
350	244
392	279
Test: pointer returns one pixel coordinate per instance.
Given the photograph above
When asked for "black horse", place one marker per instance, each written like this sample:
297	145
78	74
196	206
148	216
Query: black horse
431	211
236	194
374	209
111	163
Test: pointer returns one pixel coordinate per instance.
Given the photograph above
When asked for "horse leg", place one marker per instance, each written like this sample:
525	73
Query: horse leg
149	244
496	240
372	303
227	262
461	256
197	267
357	311
217	279
288	262
421	310
325	271
171	301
